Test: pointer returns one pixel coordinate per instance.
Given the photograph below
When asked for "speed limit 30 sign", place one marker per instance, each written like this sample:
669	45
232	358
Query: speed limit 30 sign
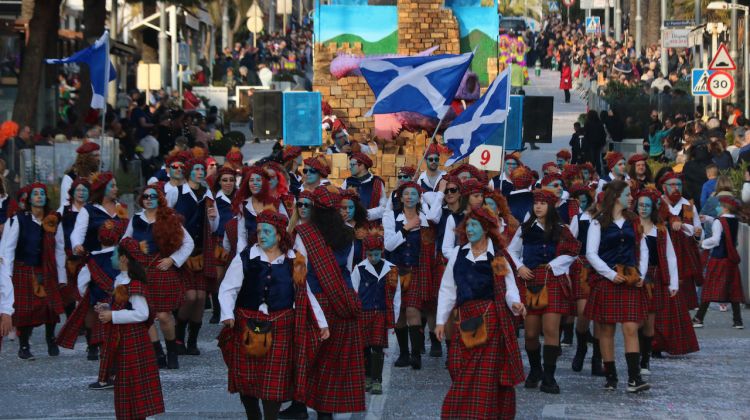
720	84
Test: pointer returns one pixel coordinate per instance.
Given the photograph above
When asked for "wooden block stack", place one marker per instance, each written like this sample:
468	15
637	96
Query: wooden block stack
423	24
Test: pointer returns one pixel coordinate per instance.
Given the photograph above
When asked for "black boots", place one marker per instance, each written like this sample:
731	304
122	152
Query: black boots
535	373
436	347
172	361
49	334
368	369
24	349
92	351
582	340
376	371
635	381
645	345
416	337
596	360
402	336
297	410
192	341
215	309
161	359
252	407
549	384
611	375
566	338
179	331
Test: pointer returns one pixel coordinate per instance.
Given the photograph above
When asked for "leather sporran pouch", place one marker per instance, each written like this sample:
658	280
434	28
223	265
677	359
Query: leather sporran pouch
583	280
221	254
38	286
405	276
473	330
257	337
537	297
195	263
648	284
632	278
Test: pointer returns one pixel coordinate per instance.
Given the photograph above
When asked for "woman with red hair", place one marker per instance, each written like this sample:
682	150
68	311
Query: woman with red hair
479	283
496	202
278	184
473	193
216	257
252	198
159	230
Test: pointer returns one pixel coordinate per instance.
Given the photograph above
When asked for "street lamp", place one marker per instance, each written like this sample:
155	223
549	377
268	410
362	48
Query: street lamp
722	5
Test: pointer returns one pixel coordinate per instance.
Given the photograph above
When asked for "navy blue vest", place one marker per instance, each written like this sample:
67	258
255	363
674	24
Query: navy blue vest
521	204
371	290
162	175
562	211
617	246
294	184
97	217
194	214
504	186
225	214
653	251
342	258
267	283
67	223
537	251
407	254
359	253
458	218
29	246
251	226
721	250
474	280
104	261
424	186
142	231
364	189
583	234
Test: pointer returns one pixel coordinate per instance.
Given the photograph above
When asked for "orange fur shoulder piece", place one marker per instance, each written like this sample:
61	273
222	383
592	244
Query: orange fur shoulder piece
299	270
500	266
50	223
121	294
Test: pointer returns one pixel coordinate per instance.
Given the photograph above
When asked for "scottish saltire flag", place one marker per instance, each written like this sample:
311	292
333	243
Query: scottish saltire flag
425	85
480	120
96	57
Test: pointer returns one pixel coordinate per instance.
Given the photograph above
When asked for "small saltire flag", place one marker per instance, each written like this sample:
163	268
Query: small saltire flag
96	57
480	120
425	85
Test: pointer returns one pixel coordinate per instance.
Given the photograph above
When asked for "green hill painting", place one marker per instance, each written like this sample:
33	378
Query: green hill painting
487	47
387	45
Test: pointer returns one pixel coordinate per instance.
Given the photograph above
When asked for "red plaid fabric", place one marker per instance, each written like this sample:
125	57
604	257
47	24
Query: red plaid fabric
723	282
374	329
30	310
659	291
483	377
270	377
560	295
688	257
612	303
209	257
68	334
230	229
425	284
673	328
69	293
575	278
194	280
166	290
688	292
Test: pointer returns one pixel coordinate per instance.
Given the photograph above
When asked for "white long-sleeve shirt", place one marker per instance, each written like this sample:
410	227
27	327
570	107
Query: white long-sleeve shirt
392	238
299	246
717	232
687	228
65	185
671	260
181	255
447	293
139	313
7	297
592	251
82	225
376	212
242	231
559	265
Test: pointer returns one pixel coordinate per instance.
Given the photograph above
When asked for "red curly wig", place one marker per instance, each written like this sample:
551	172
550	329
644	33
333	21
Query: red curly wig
282	188
244	194
167	229
490	224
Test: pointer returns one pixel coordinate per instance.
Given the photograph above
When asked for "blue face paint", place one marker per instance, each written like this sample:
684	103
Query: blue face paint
585	175
645	207
374	256
38	197
510	166
116	260
255	183
348	207
583	202
560	162
310	177
625	197
491	204
410	198
673	186
267	237
619	168
719	209
198	174
304	212
474	231
557	187
176	171
111	189
81	193
354	167
150	199
273	180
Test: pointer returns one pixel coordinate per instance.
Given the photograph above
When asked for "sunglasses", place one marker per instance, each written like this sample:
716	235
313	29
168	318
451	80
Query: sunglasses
433	160
451	190
304	205
176	166
309	171
405	177
150	196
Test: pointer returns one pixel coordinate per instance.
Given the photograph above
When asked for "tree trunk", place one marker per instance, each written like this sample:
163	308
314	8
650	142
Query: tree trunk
632	13
94	16
45	19
653	23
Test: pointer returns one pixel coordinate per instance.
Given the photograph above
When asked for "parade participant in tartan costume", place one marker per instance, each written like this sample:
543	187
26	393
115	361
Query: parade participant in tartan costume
617	293
195	203
465	171
661	281
479	283
639	172
588	175
5	204
71	264
410	241
315	172
369	187
28	257
87	163
562	159
429	179
329	374
175	162
6	307
376	282
580	274
495	201
617	170
216	258
723	279
571	175
520	200
251	199
129	354
355	217
404	174
292	158
159	231
683	220
503	182
472	193
102	206
302	212
278	185
543	250
260	287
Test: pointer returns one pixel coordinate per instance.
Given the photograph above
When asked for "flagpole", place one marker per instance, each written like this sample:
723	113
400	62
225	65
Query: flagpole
424	155
106	83
505	137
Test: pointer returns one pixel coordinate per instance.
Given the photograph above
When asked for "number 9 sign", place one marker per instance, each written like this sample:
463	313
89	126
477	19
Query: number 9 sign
487	158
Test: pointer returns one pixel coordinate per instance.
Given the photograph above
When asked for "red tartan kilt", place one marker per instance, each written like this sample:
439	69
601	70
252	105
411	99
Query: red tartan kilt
688	292
166	290
210	262
137	385
270	377
68	334
659	291
673	328
723	282
688	258
69	293
611	303
575	278
30	310
194	280
335	381
374	331
558	292
420	293
483	377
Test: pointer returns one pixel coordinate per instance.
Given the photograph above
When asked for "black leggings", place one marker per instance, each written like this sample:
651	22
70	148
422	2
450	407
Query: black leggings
567	95
736	313
252	409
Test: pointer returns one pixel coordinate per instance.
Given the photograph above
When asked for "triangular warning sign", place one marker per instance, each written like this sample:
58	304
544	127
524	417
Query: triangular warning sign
592	26
722	60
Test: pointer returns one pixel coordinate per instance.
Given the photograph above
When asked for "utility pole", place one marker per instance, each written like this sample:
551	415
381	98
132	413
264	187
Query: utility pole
618	20
733	41
664	64
163	58
606	20
639	27
225	24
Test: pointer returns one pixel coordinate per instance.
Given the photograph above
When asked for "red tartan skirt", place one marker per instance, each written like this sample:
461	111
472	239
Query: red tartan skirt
611	303
688	258
194	280
723	282
659	291
335	382
575	278
166	290
420	294
483	377
69	293
374	330
137	385
560	296
209	257
68	334
30	310
673	328
689	292
270	377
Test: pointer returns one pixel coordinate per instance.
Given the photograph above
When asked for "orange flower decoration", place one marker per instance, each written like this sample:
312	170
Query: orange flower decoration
50	223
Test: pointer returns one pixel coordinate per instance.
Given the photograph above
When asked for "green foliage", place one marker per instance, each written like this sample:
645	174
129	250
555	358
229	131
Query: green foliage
387	45
737	176
221	147
656	166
